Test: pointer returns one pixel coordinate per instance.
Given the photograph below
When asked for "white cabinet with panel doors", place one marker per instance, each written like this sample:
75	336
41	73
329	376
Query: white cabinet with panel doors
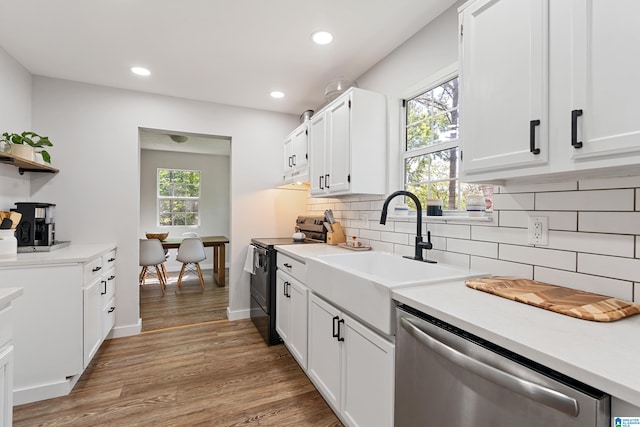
347	145
296	155
351	366
546	89
291	306
58	321
7	297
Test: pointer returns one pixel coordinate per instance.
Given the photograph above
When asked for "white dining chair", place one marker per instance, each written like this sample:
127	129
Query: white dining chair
152	255
191	251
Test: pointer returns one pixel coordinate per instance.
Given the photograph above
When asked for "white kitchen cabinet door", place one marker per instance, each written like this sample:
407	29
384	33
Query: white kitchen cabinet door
296	154
283	306
92	319
298	311
504	80
605	91
338	146
317	157
325	352
6	386
369	370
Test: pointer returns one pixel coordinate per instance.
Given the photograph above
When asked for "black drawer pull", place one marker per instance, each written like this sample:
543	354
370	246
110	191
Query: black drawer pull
532	136
111	310
111	259
326	180
321	181
111	277
574	128
287	265
340	337
96	269
336	327
104	282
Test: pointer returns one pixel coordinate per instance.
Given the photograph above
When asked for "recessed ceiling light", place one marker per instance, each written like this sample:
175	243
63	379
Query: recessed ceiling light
277	94
321	37
140	71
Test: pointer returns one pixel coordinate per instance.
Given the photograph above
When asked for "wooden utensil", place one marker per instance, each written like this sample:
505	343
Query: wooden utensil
15	217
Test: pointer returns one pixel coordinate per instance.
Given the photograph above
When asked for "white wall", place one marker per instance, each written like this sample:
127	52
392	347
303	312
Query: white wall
594	246
15	117
95	132
215	200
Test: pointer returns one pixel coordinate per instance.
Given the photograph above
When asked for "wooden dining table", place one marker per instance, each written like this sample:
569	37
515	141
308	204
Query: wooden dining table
217	243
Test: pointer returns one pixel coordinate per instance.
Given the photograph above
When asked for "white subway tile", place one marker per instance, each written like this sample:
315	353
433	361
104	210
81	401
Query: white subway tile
399	238
584	282
342	206
438	242
450	258
472	247
638	199
403	250
370	234
592	200
377	205
501	268
637	246
360	206
408	227
609	222
516	236
538	256
636	292
557	220
538	187
518	202
595	243
609	266
450	230
602	183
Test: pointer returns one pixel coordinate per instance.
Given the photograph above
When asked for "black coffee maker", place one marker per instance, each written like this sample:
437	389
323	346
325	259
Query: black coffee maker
37	225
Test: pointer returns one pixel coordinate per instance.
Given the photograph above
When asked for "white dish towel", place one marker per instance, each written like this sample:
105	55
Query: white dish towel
248	262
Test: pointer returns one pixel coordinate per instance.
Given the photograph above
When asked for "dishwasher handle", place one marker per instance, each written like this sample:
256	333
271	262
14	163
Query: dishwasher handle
536	392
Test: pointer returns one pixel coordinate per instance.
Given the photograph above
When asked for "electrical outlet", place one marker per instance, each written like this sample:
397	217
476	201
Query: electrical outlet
365	218
538	230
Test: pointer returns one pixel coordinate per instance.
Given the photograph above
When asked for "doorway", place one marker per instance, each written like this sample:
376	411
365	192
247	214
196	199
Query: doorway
210	156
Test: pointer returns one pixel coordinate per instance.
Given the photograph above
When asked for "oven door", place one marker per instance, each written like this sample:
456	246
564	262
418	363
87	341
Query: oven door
260	279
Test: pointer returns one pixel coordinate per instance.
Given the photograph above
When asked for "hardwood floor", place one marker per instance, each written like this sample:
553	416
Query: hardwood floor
216	373
186	305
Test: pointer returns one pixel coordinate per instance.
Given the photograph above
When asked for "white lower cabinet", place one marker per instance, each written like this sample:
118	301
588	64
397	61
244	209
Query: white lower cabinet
92	321
291	315
351	365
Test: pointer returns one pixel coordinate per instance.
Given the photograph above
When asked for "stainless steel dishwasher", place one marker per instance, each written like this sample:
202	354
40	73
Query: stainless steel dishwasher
448	377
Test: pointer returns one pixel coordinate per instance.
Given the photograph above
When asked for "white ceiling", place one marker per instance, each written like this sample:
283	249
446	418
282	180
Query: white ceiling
227	51
157	139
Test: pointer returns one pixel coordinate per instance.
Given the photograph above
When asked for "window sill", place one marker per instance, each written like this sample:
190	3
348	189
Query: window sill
487	217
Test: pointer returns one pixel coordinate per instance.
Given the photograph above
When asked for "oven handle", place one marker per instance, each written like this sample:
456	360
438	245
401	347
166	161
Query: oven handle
538	393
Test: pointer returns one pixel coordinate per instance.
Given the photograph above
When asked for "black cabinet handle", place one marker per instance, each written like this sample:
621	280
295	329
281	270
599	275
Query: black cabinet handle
111	277
287	265
574	128
321	182
340	337
111	310
96	269
293	159
285	288
336	327
111	259
326	180
104	282
532	136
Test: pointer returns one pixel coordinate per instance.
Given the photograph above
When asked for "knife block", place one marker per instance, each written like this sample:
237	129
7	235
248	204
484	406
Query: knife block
337	235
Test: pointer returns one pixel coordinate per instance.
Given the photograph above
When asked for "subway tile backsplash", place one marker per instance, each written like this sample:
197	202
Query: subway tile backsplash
594	237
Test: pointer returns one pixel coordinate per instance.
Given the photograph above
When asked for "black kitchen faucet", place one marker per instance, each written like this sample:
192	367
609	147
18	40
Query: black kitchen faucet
419	245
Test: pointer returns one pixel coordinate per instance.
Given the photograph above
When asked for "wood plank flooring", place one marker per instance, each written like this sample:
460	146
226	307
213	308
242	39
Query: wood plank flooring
186	305
215	373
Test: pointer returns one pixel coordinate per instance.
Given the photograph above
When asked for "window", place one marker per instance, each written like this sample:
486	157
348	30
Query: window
178	197
431	152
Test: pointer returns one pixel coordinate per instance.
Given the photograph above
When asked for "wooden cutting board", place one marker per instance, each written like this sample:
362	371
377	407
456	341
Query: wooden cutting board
571	302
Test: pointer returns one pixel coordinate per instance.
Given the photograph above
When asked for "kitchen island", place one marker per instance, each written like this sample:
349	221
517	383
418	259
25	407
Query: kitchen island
66	311
603	355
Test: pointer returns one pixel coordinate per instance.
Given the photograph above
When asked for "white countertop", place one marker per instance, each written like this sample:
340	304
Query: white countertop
72	254
605	355
9	294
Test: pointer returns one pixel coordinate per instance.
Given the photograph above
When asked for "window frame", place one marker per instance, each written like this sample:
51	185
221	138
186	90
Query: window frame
160	198
442	76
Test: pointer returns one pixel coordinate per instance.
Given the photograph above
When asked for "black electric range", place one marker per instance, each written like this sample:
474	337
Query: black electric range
263	278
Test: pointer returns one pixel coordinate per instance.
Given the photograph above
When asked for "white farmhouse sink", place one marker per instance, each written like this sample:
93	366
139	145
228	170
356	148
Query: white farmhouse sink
361	283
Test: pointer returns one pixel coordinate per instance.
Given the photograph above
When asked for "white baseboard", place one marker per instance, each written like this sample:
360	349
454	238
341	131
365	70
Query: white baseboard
126	330
238	314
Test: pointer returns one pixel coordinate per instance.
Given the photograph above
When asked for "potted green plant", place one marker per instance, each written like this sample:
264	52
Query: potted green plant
24	139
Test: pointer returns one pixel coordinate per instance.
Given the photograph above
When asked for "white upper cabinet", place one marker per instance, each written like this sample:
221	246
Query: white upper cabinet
565	63
347	145
504	84
605	90
296	148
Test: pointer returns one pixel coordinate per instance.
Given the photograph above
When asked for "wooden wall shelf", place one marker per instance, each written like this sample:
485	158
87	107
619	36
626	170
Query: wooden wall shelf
24	165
